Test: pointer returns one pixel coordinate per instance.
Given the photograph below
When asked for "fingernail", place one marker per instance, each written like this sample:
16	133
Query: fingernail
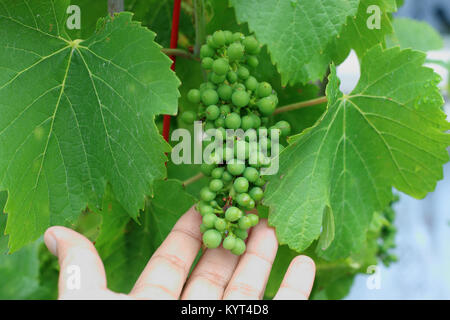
50	242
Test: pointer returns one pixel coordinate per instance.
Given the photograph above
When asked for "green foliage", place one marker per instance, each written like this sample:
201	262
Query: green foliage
80	146
77	126
414	34
382	135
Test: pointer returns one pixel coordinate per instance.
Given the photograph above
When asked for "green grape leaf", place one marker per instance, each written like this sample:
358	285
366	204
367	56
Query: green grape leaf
389	132
131	253
418	35
76	115
295	32
90	12
357	35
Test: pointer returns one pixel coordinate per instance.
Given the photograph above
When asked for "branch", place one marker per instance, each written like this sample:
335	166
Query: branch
179	53
300	105
200	32
193	179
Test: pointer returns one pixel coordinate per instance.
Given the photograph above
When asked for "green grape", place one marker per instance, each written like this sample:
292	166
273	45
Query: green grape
221	66
251	83
256	121
229	242
228	37
221	130
251	174
232	76
240	99
227	177
203	228
225	92
209	97
206	194
188	117
256	193
212	238
243	199
264	90
239	87
206	169
235	167
267	105
246	122
211	43
235	51
245	223
217	173
260	182
215	185
233	121
209	219
238	36
219	38
212	112
242	234
252	61
206	210
206	51
241	185
251	204
219	122
241	150
217	79
254	219
284	126
243	72
193	96
239	247
207	63
225	109
233	214
251	44
220	224
209	125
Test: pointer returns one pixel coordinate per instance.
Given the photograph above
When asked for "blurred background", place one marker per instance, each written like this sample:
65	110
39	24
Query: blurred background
423	236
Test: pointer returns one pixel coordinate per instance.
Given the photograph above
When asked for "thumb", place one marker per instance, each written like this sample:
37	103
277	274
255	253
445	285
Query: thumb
81	270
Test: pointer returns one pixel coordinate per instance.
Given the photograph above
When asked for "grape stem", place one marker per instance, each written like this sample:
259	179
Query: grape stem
193	179
179	53
299	105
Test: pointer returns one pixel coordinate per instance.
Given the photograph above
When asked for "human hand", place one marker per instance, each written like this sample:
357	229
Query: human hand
218	274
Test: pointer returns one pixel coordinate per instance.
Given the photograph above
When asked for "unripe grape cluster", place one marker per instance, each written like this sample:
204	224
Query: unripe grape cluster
232	98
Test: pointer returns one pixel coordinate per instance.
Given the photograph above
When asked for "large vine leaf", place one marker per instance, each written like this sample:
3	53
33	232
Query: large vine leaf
387	133
356	35
418	35
76	115
295	32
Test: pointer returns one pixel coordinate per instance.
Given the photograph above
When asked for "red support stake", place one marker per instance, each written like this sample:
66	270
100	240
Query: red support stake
173	45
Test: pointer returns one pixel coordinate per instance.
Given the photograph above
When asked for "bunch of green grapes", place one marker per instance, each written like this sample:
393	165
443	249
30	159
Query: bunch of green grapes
233	99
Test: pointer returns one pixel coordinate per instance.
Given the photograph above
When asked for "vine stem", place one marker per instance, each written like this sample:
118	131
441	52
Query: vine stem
200	32
193	179
179	53
299	105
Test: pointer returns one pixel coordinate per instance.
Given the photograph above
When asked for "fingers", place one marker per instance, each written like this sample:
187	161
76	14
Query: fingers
168	268
211	275
82	274
298	281
252	272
